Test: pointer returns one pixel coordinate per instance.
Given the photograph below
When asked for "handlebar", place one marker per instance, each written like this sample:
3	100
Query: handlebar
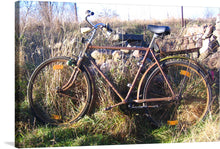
89	13
101	25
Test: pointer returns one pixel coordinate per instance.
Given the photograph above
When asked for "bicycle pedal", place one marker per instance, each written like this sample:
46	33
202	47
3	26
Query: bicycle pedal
139	107
144	107
108	108
154	106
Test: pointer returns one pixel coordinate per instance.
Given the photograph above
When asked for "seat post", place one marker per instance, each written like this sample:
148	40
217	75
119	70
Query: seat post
152	41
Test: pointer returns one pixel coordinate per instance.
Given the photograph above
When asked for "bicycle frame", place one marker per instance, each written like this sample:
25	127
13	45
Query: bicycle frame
61	90
126	99
148	50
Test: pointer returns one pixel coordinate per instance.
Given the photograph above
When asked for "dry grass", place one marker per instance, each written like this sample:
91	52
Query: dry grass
37	41
207	131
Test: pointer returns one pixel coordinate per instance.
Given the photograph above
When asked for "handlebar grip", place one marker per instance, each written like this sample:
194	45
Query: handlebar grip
108	28
89	13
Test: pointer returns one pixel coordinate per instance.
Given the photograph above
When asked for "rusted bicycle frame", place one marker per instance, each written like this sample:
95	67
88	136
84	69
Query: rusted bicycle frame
126	99
148	50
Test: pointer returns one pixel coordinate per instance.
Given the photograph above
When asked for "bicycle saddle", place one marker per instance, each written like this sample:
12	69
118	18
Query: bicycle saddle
159	30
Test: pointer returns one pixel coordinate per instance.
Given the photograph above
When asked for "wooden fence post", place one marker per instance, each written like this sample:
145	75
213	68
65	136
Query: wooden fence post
75	11
182	19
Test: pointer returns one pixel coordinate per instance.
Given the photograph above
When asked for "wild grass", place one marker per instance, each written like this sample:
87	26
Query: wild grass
113	127
37	41
110	128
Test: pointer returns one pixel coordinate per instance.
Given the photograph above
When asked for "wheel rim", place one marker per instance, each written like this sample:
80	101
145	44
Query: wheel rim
191	106
58	107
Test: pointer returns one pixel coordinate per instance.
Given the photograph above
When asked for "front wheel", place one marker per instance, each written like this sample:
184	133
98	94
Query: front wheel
192	90
55	96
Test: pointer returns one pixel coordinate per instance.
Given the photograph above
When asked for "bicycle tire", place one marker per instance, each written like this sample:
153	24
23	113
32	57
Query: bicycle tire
51	106
191	85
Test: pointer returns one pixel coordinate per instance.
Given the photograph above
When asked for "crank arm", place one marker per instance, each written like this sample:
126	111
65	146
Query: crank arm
118	104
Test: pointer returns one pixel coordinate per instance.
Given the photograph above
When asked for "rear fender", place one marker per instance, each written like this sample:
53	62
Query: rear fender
190	60
152	67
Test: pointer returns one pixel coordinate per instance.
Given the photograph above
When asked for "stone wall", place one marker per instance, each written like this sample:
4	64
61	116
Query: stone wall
206	37
211	55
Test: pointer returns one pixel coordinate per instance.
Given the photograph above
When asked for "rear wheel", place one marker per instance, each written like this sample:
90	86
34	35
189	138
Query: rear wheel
192	90
54	97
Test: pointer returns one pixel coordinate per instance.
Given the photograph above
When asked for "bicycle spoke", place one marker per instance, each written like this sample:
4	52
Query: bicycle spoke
49	102
197	83
190	88
183	82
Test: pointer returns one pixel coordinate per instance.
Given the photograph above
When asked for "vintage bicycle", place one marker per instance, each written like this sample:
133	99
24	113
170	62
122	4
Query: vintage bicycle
173	90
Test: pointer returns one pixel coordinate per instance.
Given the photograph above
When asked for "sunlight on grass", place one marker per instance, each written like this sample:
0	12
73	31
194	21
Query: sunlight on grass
39	41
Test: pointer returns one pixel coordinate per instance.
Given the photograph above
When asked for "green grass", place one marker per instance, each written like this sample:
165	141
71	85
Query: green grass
108	128
112	127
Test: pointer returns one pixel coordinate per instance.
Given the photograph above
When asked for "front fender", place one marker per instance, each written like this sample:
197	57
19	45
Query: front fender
73	62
